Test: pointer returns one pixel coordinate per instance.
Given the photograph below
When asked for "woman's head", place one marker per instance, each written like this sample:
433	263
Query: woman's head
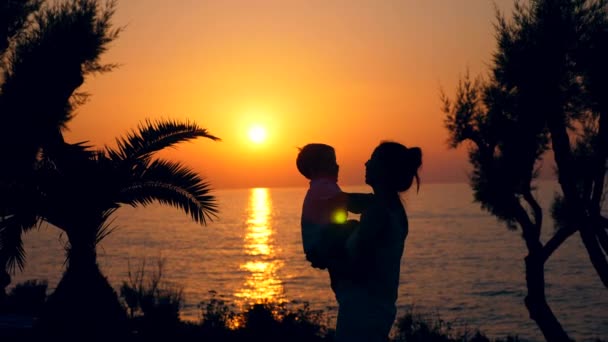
393	167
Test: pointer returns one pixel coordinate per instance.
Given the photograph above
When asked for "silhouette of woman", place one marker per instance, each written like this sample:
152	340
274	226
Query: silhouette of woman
367	291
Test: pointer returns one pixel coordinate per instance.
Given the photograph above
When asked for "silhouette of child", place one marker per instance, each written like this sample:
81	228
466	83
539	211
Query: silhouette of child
324	223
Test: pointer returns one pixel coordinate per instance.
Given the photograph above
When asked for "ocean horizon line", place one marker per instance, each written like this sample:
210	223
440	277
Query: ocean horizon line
304	185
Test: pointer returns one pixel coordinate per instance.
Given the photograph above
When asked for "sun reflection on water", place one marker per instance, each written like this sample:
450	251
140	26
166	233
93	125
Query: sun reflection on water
262	284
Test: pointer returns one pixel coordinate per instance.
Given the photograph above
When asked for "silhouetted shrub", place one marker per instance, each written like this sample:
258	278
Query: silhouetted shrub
154	305
416	327
266	321
28	298
413	327
300	320
293	321
217	315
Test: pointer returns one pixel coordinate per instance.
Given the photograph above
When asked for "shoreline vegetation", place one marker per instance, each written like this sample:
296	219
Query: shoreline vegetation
152	308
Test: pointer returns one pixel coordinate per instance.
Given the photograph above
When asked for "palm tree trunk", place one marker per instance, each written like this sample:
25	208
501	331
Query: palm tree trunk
84	306
536	301
82	254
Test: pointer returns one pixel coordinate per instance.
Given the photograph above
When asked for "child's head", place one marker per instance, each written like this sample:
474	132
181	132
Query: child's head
317	160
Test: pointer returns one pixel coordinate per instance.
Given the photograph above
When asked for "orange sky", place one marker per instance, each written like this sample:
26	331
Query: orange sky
348	73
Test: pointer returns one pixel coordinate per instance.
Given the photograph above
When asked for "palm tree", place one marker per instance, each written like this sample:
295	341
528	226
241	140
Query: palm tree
81	189
46	50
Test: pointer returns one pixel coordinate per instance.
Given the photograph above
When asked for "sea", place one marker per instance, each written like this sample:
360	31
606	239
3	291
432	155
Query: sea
461	265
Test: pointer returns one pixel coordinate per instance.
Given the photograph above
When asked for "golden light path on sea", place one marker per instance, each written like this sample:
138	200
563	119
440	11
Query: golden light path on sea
262	283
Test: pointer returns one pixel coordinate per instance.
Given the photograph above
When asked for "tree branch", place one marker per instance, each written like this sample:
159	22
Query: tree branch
556	241
563	159
597	257
600	166
528	228
538	211
603	222
602	237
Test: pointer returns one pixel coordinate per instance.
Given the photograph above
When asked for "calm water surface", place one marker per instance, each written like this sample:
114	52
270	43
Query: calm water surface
459	262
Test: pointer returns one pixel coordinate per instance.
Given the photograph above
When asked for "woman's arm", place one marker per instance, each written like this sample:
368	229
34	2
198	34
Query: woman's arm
364	239
358	202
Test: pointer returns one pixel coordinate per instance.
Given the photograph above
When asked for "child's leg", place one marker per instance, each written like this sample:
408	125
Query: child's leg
350	244
340	235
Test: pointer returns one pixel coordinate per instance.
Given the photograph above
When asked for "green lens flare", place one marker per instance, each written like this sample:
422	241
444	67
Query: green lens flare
339	216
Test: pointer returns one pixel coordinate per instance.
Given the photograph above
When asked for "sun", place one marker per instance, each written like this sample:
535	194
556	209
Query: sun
257	134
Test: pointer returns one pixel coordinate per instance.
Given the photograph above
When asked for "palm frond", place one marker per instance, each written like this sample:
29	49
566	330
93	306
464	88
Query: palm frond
153	136
173	184
11	243
106	227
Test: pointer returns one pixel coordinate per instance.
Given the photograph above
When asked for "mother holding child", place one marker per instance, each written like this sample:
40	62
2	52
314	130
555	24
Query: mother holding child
363	258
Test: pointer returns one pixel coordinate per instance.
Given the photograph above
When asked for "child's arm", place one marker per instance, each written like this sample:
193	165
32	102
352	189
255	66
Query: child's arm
358	202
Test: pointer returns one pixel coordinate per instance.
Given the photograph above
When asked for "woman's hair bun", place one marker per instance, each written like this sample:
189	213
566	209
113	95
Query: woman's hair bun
415	156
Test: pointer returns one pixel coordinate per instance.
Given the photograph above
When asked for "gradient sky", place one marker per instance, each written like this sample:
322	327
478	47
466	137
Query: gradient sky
348	73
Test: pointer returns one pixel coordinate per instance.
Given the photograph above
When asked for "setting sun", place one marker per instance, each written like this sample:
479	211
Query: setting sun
257	134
